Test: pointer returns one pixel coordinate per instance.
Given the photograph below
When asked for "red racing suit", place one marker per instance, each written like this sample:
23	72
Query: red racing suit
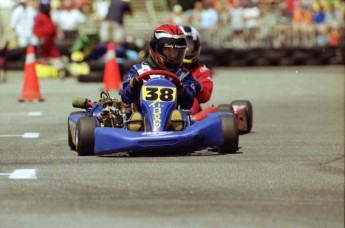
204	76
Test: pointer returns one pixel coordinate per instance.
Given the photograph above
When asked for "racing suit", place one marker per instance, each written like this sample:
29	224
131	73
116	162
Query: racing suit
204	76
185	100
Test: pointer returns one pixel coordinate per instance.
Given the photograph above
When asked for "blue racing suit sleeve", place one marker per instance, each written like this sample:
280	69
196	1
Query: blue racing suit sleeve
187	98
128	94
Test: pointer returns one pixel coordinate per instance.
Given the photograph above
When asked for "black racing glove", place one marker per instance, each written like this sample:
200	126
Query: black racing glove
180	89
198	86
135	83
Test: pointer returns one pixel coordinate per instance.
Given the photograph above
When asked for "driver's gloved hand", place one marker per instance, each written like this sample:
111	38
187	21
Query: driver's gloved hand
180	89
198	86
135	83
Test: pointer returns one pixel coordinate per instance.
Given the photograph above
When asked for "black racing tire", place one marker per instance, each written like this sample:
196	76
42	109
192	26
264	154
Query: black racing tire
70	140
249	112
226	108
230	134
85	138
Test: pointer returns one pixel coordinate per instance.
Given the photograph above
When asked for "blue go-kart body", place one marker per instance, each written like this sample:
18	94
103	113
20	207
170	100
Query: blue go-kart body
158	99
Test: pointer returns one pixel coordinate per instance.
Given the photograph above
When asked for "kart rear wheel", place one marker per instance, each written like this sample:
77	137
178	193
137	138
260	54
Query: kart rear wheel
85	138
70	140
230	134
249	112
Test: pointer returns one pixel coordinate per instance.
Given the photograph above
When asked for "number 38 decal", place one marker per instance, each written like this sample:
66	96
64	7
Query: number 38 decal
158	94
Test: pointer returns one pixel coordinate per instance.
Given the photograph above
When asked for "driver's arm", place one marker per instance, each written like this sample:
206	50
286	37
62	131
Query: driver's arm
186	99
130	95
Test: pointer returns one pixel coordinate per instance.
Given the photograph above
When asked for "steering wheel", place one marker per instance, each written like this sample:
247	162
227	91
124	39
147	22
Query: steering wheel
172	76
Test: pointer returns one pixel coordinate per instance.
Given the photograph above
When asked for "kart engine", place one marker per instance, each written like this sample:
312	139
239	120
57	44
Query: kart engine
113	112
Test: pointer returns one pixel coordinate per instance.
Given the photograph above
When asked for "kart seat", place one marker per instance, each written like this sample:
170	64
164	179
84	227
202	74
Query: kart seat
135	121
176	120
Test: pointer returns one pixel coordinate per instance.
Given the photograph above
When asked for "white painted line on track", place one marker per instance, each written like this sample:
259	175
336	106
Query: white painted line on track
23	174
28	135
31	135
34	113
22	114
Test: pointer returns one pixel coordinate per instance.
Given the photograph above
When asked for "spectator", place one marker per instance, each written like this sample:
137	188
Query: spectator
87	32
282	30
195	15
6	9
68	18
237	25
46	31
208	21
251	17
22	22
334	36
333	15
200	72
112	27
177	17
101	9
302	29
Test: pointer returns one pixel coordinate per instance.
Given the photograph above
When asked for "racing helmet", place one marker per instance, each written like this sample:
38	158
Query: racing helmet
193	45
168	47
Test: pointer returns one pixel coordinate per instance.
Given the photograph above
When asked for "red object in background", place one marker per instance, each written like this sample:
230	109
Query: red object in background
112	75
46	31
31	87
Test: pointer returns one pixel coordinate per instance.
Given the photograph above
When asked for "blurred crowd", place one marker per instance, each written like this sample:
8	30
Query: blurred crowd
266	23
65	31
80	24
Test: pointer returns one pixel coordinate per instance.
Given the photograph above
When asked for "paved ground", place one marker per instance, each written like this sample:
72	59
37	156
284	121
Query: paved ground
289	172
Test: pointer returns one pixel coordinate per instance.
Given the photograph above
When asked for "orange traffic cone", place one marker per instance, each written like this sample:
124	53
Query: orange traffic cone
31	87
112	75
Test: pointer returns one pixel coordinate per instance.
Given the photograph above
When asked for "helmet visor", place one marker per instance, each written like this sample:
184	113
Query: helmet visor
173	55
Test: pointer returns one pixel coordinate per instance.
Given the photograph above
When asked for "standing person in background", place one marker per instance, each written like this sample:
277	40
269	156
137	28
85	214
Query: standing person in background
237	25
208	21
68	17
177	17
195	15
6	9
101	9
200	72
251	15
22	22
46	31
112	27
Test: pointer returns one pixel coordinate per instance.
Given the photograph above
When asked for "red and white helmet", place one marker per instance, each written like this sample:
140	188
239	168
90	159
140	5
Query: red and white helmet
168	47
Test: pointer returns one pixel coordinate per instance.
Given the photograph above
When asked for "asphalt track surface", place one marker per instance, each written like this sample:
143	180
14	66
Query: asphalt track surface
289	172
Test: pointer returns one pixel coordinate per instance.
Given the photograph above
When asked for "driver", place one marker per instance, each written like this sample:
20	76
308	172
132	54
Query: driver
200	72
167	50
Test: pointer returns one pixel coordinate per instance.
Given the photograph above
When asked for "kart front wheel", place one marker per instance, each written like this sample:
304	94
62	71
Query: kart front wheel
85	138
230	134
70	140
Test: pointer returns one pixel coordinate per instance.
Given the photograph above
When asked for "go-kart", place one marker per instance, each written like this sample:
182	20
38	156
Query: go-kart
242	109
110	126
